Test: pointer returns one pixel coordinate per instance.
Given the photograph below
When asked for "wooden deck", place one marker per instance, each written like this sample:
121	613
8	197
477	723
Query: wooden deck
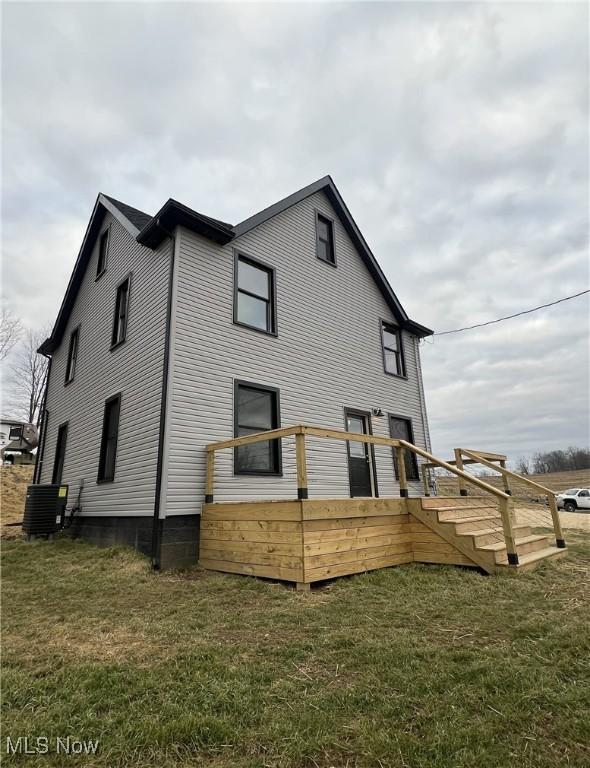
312	540
307	540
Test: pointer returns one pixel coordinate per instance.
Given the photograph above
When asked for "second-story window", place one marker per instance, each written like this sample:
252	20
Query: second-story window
103	247
393	356
254	295
121	313
325	239
72	355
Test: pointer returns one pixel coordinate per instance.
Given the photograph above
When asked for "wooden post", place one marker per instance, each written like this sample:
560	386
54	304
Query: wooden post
401	471
210	477
459	465
559	540
302	490
425	478
504	509
505	479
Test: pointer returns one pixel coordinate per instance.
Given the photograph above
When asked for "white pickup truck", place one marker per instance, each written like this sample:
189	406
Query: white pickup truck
574	499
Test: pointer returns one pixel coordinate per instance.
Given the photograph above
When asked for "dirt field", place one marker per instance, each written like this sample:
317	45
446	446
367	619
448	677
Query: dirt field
13	485
556	481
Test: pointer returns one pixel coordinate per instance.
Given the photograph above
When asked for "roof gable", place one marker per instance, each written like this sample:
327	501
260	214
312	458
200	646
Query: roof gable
327	186
151	230
128	217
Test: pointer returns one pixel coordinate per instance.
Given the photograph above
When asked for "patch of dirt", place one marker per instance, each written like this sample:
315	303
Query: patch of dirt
13	489
579	521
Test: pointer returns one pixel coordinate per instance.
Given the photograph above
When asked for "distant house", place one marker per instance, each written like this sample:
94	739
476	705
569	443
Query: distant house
5	426
18	441
177	330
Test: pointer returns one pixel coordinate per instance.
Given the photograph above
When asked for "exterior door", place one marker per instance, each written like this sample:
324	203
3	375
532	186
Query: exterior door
359	456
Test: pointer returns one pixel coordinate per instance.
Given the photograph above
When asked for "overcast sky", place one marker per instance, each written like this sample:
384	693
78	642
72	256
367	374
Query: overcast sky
456	133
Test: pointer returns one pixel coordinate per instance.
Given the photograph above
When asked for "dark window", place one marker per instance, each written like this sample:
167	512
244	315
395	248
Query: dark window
256	409
401	429
103	246
110	434
121	313
254	300
16	433
393	357
72	355
325	239
60	454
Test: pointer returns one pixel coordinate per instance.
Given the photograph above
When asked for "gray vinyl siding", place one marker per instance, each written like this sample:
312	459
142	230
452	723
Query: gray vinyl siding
134	369
327	356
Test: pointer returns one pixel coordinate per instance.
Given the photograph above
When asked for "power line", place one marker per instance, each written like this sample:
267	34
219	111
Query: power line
509	317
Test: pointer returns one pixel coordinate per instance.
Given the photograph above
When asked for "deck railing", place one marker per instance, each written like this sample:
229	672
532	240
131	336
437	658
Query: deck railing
497	462
302	431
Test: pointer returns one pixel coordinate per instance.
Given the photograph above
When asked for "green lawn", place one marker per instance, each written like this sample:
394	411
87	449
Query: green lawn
404	667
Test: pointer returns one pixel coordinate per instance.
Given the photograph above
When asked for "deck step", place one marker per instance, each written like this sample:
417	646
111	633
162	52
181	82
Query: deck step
493	534
454	502
524	546
461	508
462	514
475	524
531	560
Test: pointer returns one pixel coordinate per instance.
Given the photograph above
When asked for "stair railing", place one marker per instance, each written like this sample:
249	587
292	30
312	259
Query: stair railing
477	457
301	431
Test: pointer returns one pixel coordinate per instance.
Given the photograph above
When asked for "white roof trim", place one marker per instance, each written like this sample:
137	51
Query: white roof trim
121	218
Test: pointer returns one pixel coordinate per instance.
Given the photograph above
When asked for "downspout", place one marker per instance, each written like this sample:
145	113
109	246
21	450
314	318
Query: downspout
425	428
157	523
41	449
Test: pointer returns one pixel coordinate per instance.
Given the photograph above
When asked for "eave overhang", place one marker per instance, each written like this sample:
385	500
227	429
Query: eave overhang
173	214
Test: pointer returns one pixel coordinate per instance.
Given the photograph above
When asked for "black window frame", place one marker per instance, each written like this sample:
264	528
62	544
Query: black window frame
330	221
115	340
277	471
72	360
415	474
389	327
104	237
59	459
271	310
103	476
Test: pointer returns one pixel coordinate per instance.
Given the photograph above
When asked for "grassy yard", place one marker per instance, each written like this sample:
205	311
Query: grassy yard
405	667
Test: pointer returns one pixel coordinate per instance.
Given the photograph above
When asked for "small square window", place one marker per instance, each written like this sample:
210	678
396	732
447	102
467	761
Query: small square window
325	239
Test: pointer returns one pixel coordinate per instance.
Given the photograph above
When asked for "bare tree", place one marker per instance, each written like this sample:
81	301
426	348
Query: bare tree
10	331
523	466
28	376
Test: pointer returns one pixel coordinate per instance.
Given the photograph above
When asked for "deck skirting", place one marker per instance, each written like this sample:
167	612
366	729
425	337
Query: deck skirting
310	540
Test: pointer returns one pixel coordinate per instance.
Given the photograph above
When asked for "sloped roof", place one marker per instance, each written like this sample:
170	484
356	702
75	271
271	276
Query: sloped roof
138	218
151	230
173	213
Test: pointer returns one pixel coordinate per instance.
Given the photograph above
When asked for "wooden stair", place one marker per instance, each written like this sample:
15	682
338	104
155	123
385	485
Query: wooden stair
473	525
